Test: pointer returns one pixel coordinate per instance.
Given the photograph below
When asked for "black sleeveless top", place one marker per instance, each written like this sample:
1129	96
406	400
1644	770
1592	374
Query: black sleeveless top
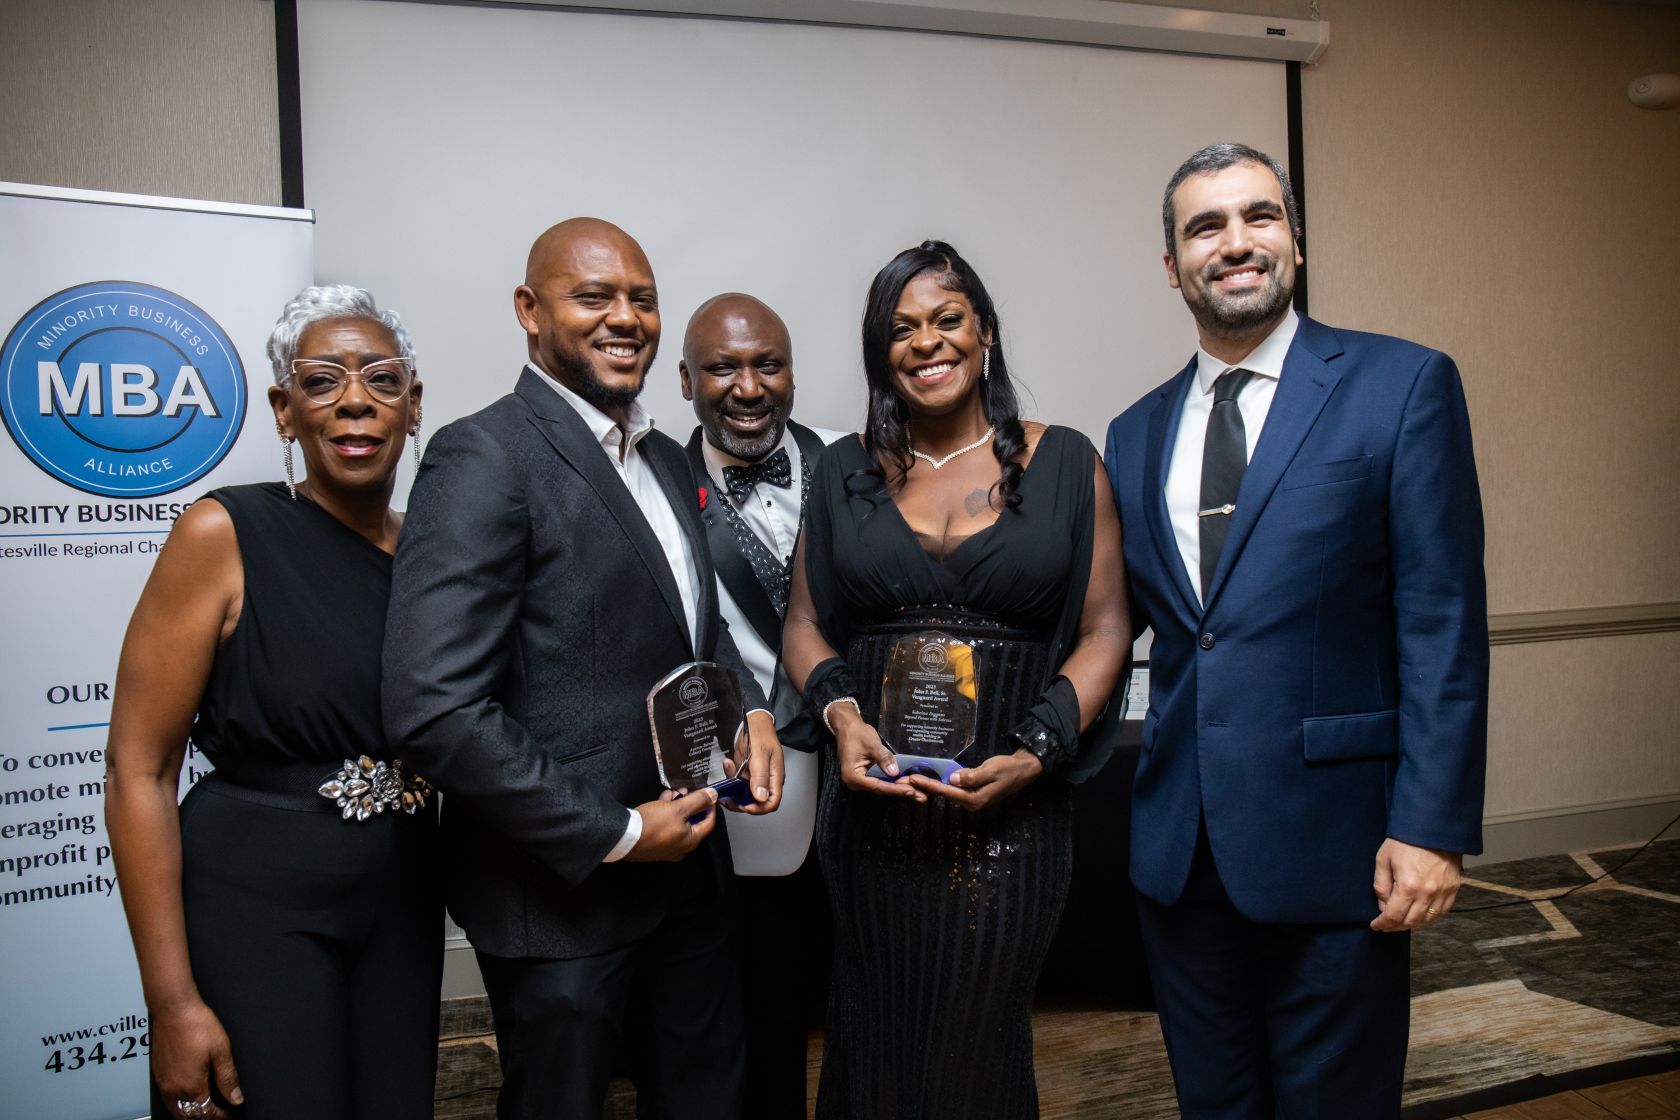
298	679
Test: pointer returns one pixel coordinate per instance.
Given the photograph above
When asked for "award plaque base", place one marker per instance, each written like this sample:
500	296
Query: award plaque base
734	791
909	764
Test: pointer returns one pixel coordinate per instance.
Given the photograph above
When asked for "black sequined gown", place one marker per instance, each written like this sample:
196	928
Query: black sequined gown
942	916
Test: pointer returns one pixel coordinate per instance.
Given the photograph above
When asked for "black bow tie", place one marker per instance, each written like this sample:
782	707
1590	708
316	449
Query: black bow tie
776	469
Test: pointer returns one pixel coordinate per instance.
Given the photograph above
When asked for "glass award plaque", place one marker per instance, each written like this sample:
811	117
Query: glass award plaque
928	704
695	712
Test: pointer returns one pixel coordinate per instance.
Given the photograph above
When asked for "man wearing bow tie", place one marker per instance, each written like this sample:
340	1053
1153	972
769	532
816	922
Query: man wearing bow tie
756	464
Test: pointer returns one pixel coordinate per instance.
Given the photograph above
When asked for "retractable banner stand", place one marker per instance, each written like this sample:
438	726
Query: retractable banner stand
132	381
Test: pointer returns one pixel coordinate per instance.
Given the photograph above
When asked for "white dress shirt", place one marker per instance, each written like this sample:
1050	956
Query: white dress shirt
1184	472
775	844
619	445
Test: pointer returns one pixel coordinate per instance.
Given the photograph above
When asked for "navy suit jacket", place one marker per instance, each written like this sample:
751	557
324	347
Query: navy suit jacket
532	608
1333	689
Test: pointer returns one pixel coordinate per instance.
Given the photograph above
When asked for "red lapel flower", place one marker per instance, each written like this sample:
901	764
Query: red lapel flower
702	497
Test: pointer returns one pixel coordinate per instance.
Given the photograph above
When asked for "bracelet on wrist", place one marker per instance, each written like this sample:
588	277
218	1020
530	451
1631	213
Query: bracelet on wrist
828	707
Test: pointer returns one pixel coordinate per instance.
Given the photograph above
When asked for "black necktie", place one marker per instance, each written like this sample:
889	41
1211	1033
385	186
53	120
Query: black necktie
1224	458
774	469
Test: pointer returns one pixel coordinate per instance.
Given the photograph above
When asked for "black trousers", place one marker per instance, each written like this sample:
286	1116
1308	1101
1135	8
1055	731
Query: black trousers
786	946
318	942
670	1001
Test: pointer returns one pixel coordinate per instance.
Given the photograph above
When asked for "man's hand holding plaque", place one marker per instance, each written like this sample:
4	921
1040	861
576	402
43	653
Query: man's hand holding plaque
758	760
928	706
693	712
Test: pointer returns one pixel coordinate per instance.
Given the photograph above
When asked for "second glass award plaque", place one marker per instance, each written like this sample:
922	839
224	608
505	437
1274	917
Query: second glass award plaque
695	712
928	704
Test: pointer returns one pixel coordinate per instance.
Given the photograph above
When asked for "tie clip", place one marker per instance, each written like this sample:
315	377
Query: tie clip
1217	511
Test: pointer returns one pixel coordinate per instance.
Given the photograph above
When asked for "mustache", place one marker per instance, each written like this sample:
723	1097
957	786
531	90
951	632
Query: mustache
1252	259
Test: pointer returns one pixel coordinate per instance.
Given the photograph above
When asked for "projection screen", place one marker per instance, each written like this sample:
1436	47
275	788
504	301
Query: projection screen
789	161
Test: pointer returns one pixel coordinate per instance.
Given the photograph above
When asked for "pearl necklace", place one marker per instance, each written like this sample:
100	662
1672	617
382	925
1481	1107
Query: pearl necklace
937	463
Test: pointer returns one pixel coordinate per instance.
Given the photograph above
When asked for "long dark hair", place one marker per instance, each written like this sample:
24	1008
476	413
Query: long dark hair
886	433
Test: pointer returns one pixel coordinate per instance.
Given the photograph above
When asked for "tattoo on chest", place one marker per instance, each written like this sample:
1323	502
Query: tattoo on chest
977	502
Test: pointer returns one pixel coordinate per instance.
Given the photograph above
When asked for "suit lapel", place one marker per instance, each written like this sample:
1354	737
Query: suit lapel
810	450
1307	382
567	433
732	567
1163	432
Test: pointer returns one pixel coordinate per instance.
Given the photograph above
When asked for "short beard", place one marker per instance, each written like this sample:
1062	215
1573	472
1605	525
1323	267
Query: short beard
1240	319
579	377
749	452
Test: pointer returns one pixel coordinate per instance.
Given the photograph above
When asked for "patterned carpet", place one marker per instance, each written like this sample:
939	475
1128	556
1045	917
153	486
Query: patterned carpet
1520	987
1550	984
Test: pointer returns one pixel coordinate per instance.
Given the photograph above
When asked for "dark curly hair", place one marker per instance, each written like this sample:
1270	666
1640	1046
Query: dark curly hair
886	432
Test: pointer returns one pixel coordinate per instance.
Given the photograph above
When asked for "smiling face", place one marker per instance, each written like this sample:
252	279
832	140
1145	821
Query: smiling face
591	312
1235	255
737	368
936	347
357	441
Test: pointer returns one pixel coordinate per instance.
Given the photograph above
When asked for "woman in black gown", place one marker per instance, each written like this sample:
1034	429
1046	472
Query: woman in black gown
288	932
951	514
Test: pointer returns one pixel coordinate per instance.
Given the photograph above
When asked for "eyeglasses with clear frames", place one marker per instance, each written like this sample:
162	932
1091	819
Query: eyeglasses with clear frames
387	380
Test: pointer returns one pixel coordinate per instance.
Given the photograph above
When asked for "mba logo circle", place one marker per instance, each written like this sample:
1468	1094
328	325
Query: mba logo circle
121	389
934	658
693	692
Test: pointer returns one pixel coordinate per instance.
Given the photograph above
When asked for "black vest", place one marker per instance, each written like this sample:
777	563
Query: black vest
795	727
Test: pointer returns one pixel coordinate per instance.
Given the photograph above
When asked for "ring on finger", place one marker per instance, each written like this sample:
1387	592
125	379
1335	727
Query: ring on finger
193	1110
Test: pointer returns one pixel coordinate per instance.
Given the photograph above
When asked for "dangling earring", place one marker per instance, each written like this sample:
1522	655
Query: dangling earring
414	435
986	365
286	457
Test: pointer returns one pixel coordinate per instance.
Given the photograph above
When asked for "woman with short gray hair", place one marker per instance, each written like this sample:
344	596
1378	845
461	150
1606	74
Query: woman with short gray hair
284	917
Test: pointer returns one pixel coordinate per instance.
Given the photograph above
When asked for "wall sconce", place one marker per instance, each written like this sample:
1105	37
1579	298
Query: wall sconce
1655	91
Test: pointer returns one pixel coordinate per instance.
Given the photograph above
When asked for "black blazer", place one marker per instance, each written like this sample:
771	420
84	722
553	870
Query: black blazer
532	609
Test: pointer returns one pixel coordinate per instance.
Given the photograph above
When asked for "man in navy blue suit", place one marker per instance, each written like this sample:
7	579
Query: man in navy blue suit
1303	534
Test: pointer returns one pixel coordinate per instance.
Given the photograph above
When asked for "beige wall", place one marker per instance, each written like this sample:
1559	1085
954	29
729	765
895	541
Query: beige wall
167	97
1284	9
1585	723
1476	180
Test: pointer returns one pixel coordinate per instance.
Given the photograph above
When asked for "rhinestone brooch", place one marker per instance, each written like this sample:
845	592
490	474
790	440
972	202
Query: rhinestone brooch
364	788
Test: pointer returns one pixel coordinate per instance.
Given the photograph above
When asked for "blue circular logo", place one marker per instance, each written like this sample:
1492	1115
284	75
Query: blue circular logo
121	389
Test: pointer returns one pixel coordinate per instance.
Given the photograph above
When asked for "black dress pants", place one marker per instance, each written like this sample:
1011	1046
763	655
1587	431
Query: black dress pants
670	1001
318	942
786	943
